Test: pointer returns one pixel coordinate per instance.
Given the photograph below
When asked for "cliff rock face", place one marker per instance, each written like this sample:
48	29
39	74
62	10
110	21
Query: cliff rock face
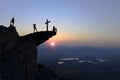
18	54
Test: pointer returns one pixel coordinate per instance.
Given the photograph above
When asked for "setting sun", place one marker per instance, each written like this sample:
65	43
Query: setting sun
52	44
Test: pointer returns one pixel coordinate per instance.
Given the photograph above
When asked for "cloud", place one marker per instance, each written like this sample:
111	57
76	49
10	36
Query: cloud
101	60
61	62
69	59
87	61
81	61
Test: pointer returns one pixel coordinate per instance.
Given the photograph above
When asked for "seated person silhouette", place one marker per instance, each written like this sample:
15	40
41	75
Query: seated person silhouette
35	29
12	22
54	29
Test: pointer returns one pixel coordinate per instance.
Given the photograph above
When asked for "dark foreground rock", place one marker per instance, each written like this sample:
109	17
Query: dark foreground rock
18	55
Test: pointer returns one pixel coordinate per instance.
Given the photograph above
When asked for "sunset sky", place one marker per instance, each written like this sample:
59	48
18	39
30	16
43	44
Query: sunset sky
79	22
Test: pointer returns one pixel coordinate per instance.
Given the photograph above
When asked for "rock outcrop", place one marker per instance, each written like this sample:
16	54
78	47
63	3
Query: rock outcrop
18	54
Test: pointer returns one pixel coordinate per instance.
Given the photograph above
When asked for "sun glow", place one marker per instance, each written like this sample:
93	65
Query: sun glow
52	44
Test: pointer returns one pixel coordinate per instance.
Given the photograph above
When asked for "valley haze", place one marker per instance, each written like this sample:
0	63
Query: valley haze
81	62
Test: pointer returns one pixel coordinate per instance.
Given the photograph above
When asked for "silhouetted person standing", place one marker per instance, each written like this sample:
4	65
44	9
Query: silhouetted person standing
12	21
34	27
47	24
54	29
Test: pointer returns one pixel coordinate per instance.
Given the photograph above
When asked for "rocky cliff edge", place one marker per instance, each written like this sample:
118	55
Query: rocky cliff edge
18	54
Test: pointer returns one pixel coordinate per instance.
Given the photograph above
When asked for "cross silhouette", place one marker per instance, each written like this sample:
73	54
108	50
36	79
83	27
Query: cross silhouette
47	24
